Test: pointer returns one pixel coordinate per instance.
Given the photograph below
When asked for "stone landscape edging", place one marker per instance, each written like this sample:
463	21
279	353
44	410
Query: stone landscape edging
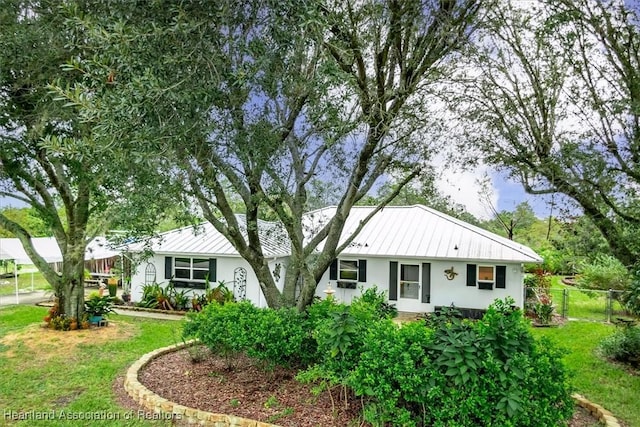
159	405
596	410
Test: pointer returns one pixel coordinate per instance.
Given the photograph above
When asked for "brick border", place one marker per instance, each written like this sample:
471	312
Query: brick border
159	405
596	410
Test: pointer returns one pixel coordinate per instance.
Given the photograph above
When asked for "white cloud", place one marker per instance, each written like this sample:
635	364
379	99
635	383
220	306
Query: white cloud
465	188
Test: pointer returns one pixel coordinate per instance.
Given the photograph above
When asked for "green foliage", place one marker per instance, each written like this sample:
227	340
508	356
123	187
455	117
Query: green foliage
543	309
623	345
631	297
98	305
277	337
149	295
604	272
378	300
28	218
281	337
453	372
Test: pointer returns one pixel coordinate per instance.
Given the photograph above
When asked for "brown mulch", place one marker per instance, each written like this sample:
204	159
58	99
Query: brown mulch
249	391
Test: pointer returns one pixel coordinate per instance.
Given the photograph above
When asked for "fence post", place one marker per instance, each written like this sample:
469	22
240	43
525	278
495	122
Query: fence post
565	303
609	307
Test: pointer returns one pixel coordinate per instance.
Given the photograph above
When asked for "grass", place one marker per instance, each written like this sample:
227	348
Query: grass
583	305
44	371
8	285
611	385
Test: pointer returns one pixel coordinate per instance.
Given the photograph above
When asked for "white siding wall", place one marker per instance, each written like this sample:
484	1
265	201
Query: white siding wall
225	272
443	292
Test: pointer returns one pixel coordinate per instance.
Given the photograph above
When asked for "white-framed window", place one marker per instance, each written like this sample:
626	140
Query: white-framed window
486	276
409	281
191	268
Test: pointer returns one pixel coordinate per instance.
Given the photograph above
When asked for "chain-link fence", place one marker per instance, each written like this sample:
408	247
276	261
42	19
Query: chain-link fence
587	304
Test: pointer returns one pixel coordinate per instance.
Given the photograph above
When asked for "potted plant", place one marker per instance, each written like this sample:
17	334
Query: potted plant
126	296
97	307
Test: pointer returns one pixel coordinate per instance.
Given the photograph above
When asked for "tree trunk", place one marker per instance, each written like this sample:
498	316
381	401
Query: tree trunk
272	294
71	299
308	291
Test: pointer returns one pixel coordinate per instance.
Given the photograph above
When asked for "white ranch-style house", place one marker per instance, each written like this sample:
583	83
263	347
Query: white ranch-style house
422	258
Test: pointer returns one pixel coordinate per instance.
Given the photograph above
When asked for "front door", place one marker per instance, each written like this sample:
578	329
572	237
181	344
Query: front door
409	288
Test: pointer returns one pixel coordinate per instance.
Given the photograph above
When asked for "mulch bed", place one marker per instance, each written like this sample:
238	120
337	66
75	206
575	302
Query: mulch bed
246	390
240	387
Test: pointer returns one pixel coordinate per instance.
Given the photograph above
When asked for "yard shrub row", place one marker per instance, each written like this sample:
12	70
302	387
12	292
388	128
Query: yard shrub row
276	337
447	372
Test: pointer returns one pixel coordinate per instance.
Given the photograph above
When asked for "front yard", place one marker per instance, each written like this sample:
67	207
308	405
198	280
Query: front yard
74	372
69	375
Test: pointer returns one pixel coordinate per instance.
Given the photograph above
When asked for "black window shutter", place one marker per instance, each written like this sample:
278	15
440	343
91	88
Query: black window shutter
333	270
168	267
501	276
471	275
393	281
426	282
362	270
213	270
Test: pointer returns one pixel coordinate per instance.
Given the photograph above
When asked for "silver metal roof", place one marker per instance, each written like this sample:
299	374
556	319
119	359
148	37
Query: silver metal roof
421	232
205	239
394	232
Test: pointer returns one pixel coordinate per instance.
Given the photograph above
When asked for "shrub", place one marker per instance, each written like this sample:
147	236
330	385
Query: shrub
276	337
378	301
280	337
454	372
605	272
623	345
224	329
631	297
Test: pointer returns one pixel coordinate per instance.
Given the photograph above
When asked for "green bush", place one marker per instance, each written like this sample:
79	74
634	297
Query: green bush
453	372
378	301
281	337
605	272
276	337
224	329
631	297
623	345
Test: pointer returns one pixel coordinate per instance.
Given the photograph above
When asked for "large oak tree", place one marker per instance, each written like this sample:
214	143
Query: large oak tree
552	95
48	157
253	103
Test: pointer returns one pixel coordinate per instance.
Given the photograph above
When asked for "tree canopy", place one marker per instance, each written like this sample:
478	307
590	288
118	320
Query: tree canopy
250	104
552	97
49	159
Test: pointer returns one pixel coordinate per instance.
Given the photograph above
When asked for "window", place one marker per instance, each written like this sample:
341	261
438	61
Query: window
191	268
409	281
347	273
486	277
348	270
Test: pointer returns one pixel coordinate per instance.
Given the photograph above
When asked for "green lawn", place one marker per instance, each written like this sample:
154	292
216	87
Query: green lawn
609	385
583	305
25	282
44	371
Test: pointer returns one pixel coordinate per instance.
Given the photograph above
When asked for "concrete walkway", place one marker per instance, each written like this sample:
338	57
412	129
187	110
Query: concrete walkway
148	314
29	298
36	297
